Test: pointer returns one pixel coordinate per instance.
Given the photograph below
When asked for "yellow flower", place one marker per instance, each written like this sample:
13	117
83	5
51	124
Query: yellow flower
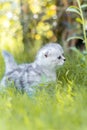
37	37
49	34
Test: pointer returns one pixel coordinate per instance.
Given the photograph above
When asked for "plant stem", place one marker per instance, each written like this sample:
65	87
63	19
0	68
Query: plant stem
83	23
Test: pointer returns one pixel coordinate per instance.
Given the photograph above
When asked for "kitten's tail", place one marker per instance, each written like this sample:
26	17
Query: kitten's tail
10	63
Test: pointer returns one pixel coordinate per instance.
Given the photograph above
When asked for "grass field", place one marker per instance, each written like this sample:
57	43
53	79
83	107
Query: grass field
58	106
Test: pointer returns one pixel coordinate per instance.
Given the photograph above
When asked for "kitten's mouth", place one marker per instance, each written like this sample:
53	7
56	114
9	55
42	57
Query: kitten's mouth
61	63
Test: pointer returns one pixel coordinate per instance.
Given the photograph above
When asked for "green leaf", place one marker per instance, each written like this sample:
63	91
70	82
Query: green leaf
83	6
74	37
85	52
73	9
79	20
76	50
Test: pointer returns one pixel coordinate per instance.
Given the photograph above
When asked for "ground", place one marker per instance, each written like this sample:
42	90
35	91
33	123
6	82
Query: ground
58	106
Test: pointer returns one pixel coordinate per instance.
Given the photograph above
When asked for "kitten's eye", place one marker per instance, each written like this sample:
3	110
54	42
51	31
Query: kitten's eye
59	57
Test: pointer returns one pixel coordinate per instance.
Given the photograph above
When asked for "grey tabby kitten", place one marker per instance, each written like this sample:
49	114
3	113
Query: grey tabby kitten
42	70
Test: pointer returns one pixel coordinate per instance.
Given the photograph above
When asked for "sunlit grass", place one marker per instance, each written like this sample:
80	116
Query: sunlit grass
58	106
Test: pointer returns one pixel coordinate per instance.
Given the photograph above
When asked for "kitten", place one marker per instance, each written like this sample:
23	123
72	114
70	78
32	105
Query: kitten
42	70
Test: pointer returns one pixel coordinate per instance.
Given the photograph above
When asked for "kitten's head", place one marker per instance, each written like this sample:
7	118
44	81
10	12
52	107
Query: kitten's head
51	55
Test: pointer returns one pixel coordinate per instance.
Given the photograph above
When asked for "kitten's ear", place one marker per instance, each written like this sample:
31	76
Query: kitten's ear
47	53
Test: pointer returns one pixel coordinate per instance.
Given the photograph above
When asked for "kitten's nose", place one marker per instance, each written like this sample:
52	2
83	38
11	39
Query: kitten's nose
64	59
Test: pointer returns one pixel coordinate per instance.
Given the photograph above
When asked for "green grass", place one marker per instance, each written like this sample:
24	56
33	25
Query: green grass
58	106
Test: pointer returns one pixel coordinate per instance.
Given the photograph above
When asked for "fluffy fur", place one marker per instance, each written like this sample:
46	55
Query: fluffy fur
43	69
